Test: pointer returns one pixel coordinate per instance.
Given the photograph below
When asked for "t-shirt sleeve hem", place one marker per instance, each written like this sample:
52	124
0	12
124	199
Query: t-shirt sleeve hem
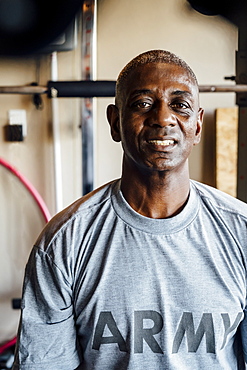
65	365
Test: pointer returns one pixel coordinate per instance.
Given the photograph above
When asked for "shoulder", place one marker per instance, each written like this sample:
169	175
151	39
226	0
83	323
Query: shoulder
219	200
78	214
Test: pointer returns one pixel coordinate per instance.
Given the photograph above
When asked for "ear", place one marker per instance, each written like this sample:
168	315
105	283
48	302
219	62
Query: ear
112	114
199	126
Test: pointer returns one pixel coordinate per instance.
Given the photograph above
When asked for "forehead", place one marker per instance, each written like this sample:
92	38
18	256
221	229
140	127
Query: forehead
160	76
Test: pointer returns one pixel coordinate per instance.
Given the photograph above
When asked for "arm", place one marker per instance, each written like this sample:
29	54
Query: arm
47	333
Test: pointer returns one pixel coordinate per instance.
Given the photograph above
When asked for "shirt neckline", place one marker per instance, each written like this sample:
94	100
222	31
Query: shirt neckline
165	226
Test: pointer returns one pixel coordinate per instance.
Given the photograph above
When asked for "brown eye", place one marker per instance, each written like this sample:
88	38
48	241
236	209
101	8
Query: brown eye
179	105
142	104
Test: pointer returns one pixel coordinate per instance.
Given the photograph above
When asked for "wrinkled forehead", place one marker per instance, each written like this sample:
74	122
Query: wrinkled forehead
156	74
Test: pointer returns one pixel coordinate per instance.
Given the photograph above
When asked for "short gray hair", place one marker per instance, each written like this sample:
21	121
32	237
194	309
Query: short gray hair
151	56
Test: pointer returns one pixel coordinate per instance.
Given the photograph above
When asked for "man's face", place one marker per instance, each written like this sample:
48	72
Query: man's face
158	119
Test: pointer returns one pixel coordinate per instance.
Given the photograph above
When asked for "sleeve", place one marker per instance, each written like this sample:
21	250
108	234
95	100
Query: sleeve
47	333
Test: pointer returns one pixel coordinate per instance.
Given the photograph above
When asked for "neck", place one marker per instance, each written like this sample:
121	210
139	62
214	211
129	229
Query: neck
156	194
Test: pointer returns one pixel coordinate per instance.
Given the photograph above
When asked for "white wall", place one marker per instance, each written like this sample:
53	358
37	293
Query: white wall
20	218
125	28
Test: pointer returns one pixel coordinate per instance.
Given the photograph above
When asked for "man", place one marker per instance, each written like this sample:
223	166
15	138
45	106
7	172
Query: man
149	271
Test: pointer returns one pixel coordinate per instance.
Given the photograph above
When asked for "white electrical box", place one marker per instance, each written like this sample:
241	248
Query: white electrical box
18	117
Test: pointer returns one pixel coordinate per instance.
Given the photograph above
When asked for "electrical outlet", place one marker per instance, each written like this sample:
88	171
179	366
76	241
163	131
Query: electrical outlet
18	117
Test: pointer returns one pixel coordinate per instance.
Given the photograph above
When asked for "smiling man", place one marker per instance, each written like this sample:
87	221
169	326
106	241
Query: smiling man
148	271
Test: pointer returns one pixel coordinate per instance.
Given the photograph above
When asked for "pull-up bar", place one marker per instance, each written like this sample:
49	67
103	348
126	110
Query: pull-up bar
88	89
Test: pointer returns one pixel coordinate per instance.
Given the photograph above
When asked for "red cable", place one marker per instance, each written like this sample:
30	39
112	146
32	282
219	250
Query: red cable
37	197
7	345
42	206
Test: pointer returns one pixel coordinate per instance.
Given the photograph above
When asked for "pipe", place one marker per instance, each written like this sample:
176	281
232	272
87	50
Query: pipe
90	88
26	89
223	88
56	140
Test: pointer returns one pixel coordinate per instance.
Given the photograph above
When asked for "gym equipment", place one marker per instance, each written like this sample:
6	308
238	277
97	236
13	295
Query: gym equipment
235	11
98	89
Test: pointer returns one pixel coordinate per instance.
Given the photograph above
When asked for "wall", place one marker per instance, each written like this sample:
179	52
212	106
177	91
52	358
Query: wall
125	28
20	219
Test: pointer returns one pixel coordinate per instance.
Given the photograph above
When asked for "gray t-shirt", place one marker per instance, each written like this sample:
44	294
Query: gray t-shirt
110	289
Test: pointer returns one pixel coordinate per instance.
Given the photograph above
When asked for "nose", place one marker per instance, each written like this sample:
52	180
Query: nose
162	116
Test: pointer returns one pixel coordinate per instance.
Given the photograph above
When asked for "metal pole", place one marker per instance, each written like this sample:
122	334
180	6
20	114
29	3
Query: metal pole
222	88
93	88
26	89
57	160
88	73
